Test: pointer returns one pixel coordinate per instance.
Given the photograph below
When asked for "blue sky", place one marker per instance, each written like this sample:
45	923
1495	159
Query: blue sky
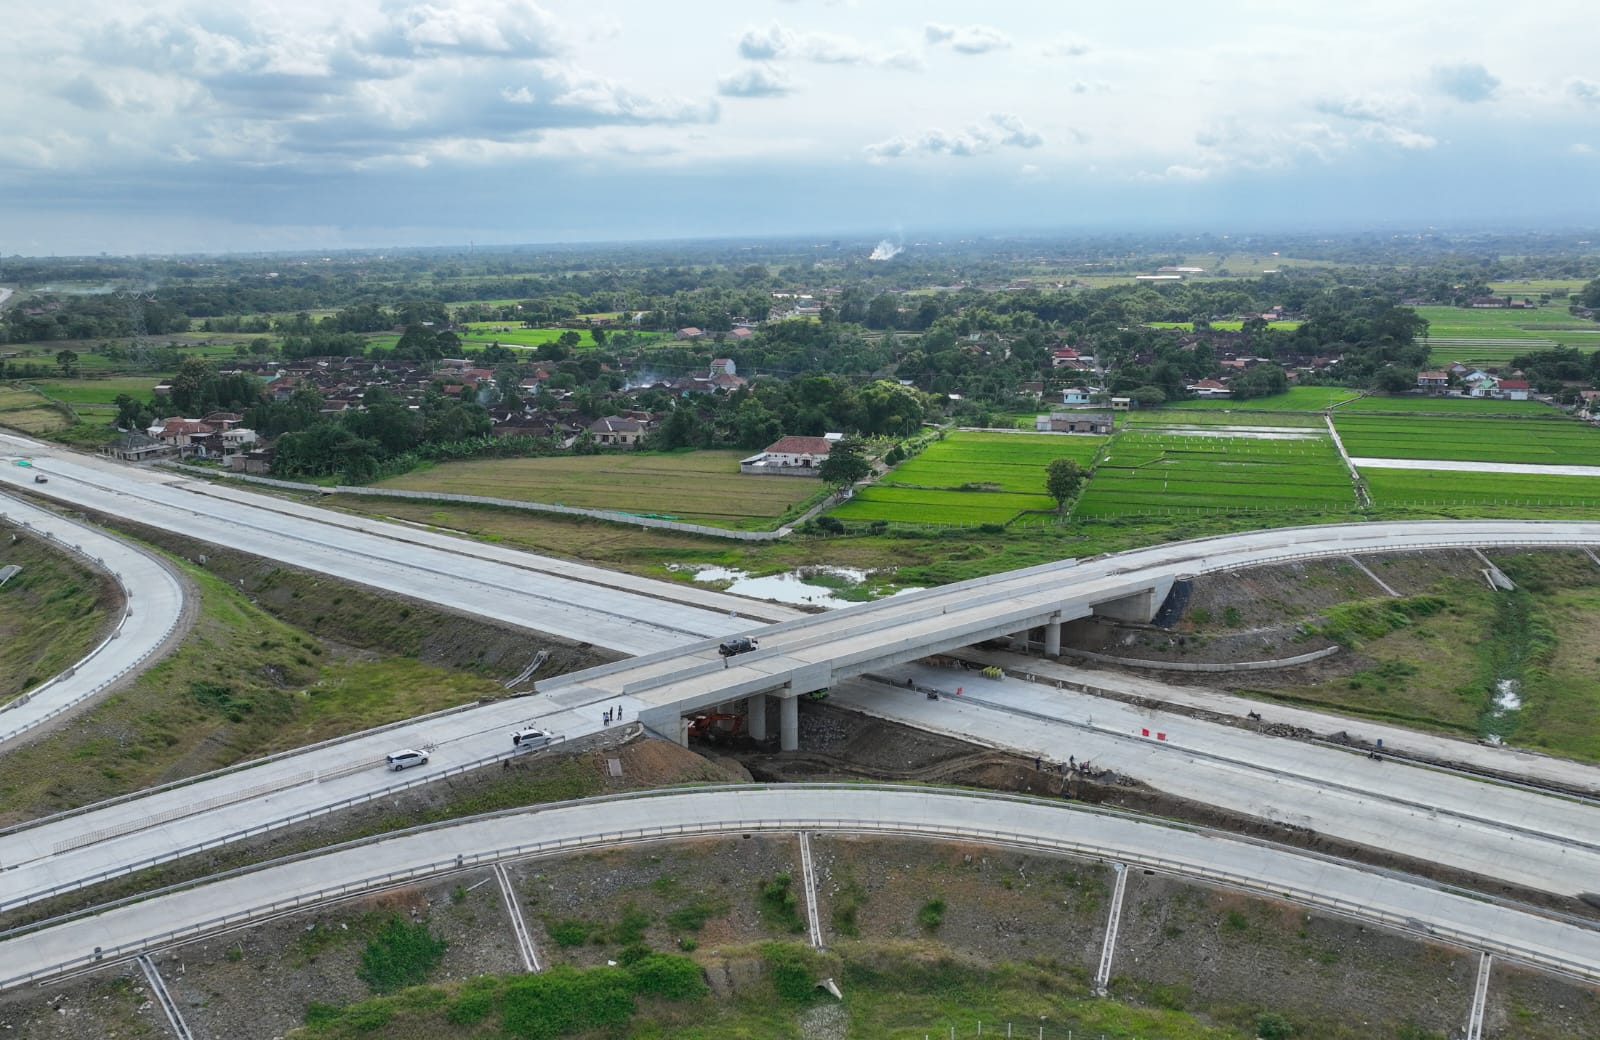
173	125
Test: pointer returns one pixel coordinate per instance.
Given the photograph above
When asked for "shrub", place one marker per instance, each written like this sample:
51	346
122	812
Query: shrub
669	976
779	905
399	955
791	969
565	1000
1272	1026
569	932
931	916
830	525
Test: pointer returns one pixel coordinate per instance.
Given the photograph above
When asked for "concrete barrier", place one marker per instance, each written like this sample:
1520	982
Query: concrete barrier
1202	666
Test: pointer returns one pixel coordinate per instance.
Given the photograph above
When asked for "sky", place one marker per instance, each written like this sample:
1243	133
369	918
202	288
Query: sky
249	125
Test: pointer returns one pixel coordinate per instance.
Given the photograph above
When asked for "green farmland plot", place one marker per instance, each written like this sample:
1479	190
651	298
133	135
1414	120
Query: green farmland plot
1448	490
1220	420
1543	441
1482	407
1296	399
1157	472
970	478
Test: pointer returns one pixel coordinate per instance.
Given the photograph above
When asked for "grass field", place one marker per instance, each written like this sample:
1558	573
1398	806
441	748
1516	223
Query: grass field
26	411
1553	441
99	391
702	487
1158	472
1295	399
970	478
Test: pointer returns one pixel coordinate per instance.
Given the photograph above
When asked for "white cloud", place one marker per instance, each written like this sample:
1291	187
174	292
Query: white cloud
779	43
967	39
1584	90
758	81
1065	48
1468	82
1003	131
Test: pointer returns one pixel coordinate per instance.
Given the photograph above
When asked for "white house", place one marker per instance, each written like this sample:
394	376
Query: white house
791	456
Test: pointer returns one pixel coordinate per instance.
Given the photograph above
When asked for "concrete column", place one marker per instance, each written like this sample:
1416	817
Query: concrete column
755	720
789	724
1052	639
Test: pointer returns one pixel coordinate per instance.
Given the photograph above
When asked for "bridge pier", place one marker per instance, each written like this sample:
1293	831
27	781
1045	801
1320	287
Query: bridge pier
789	723
755	719
1052	639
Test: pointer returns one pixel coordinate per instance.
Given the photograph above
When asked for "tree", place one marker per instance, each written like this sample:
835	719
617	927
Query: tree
68	362
1062	479
845	464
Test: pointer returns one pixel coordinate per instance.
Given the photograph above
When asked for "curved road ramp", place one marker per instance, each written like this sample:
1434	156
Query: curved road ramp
154	598
1409	904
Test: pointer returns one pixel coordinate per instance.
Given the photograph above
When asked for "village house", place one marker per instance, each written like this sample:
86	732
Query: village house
1209	388
1078	395
791	456
136	447
1433	380
618	432
1095	423
1512	390
688	333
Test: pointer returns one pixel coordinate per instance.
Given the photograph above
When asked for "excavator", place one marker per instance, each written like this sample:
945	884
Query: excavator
716	728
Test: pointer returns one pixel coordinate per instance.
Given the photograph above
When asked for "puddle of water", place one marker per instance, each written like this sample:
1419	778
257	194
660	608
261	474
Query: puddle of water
792	587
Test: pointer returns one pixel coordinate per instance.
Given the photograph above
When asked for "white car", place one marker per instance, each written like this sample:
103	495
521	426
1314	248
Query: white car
406	759
531	738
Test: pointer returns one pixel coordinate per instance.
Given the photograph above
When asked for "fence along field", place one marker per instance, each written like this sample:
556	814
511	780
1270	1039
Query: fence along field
1551	441
1160	472
970	478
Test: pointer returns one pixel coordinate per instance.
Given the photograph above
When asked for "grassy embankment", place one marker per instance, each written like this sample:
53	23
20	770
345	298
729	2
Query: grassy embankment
51	613
894	993
1434	660
241	685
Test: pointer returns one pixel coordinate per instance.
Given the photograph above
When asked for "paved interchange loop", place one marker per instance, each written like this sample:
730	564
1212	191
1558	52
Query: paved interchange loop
1520	836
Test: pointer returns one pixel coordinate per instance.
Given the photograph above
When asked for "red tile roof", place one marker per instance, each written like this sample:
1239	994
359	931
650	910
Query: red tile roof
800	446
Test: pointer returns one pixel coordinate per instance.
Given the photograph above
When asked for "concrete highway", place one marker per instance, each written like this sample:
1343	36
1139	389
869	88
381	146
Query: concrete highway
1346	888
155	602
586	604
1243	770
1501	832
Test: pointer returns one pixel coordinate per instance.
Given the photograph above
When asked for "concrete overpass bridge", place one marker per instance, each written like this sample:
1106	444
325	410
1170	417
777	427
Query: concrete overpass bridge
813	653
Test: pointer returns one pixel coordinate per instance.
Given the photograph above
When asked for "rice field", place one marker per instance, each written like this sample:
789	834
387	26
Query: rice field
1227	325
1295	399
1552	441
1475	406
970	478
1440	489
702	487
1493	337
1219	418
1158	472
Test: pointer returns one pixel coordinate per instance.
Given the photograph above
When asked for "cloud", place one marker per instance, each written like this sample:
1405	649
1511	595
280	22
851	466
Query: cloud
1360	109
481	28
85	93
759	81
779	43
1017	134
967	39
1468	82
1065	49
1584	90
1004	131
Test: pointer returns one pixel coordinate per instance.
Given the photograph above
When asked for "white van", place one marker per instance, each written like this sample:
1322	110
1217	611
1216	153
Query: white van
530	738
406	759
